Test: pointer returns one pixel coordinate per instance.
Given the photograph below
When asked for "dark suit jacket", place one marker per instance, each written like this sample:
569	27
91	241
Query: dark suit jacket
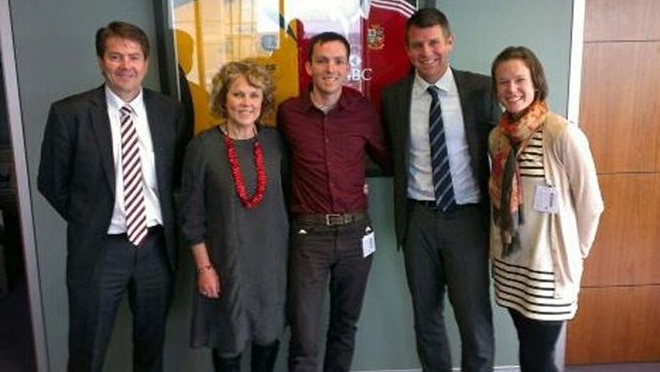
480	114
77	174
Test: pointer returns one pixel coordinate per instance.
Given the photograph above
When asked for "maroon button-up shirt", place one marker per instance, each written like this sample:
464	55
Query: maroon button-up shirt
327	152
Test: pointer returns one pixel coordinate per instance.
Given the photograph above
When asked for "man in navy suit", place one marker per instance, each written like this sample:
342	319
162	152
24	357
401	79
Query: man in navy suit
446	250
81	176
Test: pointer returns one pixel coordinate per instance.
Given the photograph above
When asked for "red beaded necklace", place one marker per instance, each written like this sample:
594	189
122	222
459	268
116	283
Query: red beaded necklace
239	182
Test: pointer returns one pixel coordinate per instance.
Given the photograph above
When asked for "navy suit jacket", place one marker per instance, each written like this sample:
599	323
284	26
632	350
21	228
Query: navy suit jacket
77	174
480	114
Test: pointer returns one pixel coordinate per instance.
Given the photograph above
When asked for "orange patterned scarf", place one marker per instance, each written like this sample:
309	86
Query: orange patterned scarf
506	143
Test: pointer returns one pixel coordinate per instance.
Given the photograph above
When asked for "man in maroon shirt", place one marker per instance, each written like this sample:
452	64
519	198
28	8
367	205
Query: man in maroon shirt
328	130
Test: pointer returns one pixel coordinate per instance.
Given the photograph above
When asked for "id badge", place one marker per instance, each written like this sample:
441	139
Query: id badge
546	199
368	242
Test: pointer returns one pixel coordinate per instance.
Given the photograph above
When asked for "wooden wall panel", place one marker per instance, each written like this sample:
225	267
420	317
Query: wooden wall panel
619	316
626	250
622	321
622	20
620	105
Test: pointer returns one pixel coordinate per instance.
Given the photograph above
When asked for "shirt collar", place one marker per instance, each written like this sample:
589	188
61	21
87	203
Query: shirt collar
346	99
116	103
445	84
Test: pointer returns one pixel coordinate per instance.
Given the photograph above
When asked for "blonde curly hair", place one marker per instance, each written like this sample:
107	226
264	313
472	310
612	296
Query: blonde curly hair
256	75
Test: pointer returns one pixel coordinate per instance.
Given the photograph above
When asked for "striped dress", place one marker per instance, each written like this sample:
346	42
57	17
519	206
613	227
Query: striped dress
525	280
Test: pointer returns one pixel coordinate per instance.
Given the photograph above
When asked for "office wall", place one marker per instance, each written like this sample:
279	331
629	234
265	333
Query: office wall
483	28
55	57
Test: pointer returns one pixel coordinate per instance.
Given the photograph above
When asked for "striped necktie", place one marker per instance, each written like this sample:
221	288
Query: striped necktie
442	184
136	217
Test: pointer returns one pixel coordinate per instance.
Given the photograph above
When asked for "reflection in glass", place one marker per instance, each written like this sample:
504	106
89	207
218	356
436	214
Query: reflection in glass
275	33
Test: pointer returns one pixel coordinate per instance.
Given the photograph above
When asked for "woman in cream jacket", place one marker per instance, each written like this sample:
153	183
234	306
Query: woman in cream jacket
546	205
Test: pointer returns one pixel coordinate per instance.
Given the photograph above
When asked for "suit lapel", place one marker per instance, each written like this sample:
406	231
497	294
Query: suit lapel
468	109
404	109
101	125
154	116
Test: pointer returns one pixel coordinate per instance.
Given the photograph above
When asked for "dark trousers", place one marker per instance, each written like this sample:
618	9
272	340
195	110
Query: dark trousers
448	252
144	273
319	252
537	342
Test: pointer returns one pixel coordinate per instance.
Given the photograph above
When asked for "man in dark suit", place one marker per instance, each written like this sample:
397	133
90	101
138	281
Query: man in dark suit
445	245
84	175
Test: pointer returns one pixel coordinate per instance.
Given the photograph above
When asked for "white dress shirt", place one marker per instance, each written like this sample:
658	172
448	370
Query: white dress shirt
147	158
420	178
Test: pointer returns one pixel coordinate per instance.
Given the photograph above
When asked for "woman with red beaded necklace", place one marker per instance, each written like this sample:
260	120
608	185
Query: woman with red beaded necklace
234	219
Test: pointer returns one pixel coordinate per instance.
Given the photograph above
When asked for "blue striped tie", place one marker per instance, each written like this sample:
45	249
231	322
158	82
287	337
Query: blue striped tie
442	184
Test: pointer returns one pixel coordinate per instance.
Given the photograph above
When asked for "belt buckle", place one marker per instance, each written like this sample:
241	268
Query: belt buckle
334	219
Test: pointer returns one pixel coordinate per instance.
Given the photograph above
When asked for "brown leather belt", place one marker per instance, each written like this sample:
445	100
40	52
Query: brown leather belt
332	219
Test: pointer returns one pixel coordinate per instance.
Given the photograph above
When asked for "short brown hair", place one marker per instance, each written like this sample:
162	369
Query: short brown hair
325	37
428	17
122	30
531	61
256	75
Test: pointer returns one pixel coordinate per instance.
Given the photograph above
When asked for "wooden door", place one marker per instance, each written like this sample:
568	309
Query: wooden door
619	309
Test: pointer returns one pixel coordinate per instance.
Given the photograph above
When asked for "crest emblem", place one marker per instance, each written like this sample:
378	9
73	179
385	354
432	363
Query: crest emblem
376	37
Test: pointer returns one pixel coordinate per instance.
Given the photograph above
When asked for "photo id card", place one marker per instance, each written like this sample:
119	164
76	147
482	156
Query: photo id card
368	243
546	199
